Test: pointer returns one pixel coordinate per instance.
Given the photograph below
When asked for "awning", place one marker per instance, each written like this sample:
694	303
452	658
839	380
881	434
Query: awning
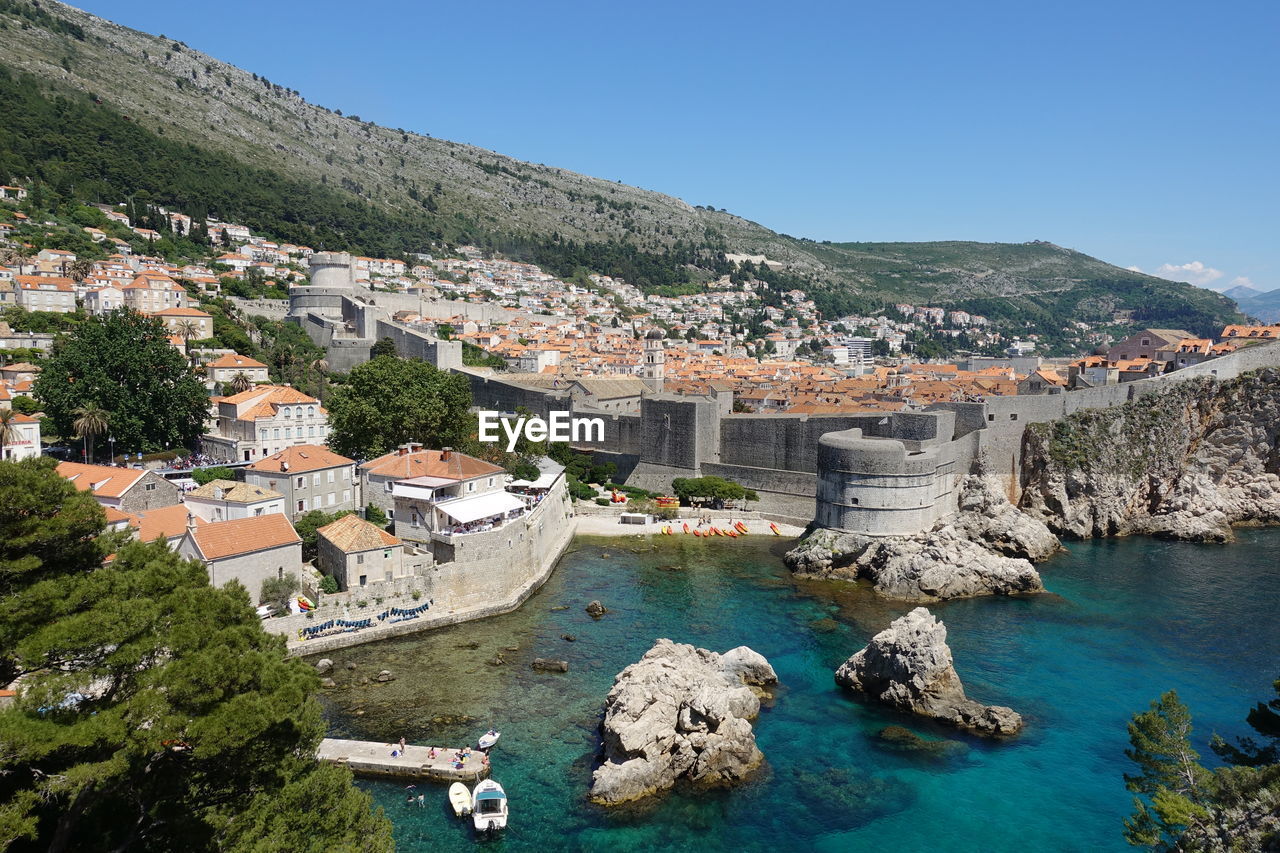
465	510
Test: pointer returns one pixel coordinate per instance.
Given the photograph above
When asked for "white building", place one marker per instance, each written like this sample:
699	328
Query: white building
262	421
224	500
25	440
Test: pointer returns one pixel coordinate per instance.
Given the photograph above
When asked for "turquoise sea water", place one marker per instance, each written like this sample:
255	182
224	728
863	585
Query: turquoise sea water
1126	620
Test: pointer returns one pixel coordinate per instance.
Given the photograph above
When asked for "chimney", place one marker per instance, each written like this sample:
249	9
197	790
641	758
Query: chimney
284	467
444	454
191	522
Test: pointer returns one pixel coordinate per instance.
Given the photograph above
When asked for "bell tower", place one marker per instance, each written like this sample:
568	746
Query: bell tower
655	360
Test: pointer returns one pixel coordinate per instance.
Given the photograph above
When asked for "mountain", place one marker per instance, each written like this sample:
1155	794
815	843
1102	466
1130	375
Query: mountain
288	167
1242	291
1263	305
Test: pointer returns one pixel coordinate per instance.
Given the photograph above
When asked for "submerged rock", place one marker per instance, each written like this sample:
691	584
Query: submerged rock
903	739
680	712
386	676
548	665
328	683
984	549
595	610
908	666
324	666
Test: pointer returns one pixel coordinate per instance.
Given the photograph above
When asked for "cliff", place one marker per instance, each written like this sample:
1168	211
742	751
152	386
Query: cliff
1185	463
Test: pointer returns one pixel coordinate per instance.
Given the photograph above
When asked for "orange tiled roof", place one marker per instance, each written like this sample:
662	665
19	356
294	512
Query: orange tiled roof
220	539
103	480
235	360
167	522
353	533
431	463
299	459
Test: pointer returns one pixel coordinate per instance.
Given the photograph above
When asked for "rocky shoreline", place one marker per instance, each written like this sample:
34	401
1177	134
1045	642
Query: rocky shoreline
680	712
987	548
908	666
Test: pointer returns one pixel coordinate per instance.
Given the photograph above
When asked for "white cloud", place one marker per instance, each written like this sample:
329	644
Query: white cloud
1134	268
1242	281
1194	272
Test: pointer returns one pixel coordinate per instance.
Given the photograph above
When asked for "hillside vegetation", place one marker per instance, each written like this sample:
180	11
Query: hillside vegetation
209	134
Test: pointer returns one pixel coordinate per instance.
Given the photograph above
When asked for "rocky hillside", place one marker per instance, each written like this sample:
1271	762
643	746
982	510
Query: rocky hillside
1185	463
472	194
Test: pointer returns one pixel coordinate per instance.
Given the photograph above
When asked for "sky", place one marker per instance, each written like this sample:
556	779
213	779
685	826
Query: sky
1144	133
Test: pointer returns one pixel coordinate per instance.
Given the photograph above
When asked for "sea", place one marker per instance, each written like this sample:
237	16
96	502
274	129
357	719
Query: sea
1123	621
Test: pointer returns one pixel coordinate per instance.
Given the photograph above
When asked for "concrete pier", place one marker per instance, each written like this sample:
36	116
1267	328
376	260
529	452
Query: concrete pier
374	760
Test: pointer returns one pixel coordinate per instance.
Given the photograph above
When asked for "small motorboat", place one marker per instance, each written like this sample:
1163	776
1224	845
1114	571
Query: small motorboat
489	738
489	807
460	799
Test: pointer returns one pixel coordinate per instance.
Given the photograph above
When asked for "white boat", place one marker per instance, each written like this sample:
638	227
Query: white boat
460	799
489	738
489	807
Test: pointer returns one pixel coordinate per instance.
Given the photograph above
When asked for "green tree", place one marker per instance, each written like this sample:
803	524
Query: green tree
1172	786
240	382
124	364
276	591
155	713
384	347
374	515
208	475
388	401
711	488
307	526
8	430
24	405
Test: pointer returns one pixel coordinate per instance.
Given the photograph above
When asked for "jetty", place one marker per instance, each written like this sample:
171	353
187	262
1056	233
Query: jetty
375	760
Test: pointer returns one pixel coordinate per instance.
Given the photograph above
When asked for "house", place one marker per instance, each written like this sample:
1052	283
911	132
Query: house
12	193
45	293
25	442
152	292
308	477
224	500
128	489
168	523
1155	344
262	421
11	340
176	320
1041	381
226	368
448	470
248	550
608	395
357	553
104	300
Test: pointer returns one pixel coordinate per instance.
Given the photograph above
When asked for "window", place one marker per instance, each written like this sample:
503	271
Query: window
346	473
149	487
387	485
359	559
288	432
471	487
1013	416
330	476
346	495
302	506
315	479
1146	342
331	499
311	430
991	417
386	555
300	482
491	482
363	580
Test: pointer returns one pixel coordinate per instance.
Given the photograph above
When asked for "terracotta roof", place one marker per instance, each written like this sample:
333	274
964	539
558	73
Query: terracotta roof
300	458
234	360
180	312
459	466
230	490
167	522
221	539
353	533
103	480
269	398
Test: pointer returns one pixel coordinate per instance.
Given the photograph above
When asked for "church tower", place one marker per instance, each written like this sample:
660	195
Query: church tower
655	360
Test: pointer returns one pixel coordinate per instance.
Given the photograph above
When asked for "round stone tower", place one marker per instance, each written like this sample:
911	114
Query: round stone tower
333	269
655	360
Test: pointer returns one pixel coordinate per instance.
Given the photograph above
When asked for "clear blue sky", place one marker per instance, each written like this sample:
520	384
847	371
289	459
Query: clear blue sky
1145	133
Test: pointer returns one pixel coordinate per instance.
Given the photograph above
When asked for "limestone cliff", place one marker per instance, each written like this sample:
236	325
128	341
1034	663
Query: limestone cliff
1186	463
985	549
680	712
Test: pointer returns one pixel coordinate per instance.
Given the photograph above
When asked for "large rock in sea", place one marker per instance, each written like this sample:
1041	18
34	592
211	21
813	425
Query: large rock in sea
985	548
680	712
908	666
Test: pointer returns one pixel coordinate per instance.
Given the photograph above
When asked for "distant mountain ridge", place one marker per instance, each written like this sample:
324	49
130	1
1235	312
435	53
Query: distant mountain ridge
468	194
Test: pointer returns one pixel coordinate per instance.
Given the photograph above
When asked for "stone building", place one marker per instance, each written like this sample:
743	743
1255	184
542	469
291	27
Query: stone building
357	553
446	471
1155	344
153	292
225	500
248	550
308	477
127	489
224	369
262	421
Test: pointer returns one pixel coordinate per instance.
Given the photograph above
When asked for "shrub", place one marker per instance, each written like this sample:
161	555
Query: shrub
362	603
416	595
328	584
276	591
603	501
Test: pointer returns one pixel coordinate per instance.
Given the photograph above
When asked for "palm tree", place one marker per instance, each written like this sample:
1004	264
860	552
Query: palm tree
8	430
90	422
79	269
241	382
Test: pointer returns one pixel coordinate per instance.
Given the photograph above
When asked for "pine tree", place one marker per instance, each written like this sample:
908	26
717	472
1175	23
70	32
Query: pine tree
1175	786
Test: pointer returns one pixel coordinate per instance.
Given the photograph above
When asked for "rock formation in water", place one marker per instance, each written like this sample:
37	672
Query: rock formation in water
680	712
908	666
984	549
1186	463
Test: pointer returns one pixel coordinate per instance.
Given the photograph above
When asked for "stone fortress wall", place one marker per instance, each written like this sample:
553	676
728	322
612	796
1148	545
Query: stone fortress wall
880	474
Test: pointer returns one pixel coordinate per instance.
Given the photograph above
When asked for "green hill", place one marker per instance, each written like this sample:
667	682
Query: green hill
108	111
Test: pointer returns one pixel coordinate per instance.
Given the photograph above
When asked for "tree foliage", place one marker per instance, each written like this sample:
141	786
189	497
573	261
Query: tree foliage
208	475
389	401
124	364
710	488
155	713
